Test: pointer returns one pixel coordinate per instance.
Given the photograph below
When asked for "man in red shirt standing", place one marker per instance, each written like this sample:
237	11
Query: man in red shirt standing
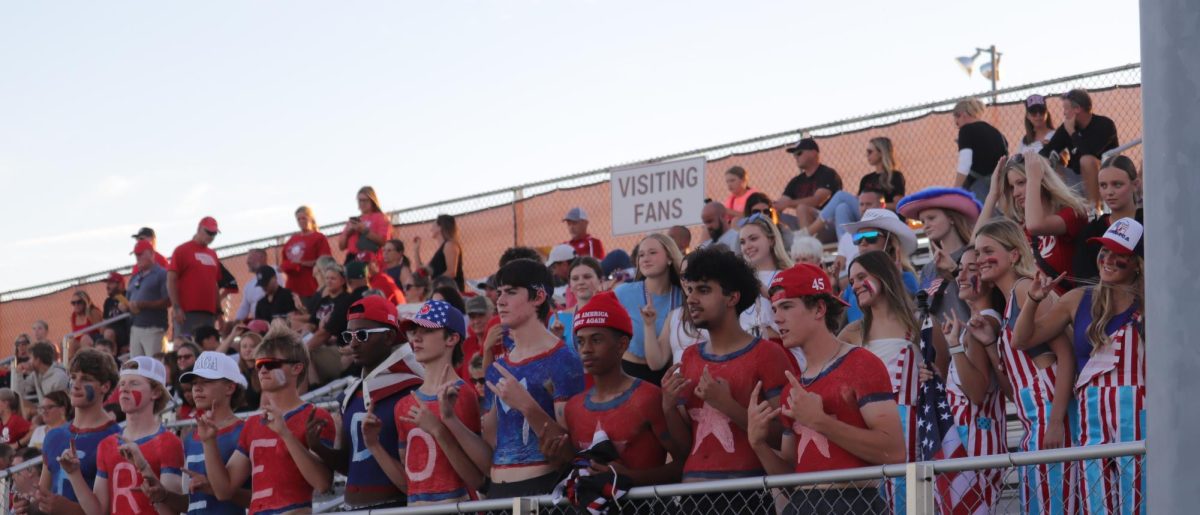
192	280
839	414
584	243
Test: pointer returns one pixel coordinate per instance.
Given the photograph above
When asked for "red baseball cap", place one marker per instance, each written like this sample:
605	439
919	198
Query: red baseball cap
375	309
209	224
141	246
604	310
802	280
115	277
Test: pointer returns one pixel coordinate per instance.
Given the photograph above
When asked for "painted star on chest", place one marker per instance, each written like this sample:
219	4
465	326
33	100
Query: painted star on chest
806	435
620	444
710	421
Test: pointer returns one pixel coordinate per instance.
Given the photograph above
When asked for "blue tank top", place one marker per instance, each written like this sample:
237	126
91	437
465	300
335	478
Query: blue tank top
1083	318
633	297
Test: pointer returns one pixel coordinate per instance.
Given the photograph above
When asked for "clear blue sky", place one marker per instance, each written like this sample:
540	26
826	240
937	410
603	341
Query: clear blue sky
115	115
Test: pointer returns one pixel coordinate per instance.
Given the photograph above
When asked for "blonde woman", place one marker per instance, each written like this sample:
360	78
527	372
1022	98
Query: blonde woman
762	247
1053	216
1110	353
657	285
884	180
1040	377
364	234
300	254
83	314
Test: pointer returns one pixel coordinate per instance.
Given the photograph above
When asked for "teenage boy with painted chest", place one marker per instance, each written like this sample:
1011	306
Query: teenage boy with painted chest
527	387
144	456
390	372
706	394
271	451
93	376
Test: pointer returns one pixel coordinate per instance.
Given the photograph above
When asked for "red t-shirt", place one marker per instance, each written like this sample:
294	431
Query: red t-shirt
385	284
162	450
471	346
1059	251
276	484
431	477
633	421
377	223
855	380
14	430
299	248
588	245
720	448
197	271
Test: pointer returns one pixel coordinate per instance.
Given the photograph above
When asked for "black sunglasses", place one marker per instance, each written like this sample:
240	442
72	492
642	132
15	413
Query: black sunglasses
210	233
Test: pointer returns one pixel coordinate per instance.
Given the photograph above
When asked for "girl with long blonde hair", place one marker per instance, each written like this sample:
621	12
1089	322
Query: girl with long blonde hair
1031	193
762	247
1039	376
1110	352
656	284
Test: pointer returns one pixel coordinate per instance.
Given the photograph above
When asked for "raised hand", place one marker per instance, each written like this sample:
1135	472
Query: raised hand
981	330
712	390
510	391
371	427
198	482
133	454
313	427
952	329
998	177
1043	286
758	417
447	400
804	407
944	264
673	387
273	416
206	429
69	460
649	314
420	416
557	327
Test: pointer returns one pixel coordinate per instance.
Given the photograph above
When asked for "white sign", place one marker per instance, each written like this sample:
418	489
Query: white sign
657	196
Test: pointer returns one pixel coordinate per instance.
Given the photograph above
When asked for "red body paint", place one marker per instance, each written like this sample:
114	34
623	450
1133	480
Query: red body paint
137	397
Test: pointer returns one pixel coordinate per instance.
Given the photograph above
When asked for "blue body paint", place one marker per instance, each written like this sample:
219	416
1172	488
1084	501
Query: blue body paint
90	391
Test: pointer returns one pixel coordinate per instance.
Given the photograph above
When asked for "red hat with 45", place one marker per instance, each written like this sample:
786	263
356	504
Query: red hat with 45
604	310
801	280
375	309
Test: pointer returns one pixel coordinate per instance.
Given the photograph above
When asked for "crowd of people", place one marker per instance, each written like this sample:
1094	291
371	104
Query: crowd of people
585	373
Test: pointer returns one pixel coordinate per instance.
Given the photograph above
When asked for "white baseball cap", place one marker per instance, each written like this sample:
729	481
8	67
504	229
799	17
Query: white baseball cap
146	367
561	252
575	214
215	365
1123	237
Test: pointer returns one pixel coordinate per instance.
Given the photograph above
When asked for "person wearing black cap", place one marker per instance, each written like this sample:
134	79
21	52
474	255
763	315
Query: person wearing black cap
1087	137
809	190
277	301
1039	125
147	234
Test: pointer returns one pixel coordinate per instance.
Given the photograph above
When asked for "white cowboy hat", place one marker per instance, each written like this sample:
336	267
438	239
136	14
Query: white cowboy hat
886	220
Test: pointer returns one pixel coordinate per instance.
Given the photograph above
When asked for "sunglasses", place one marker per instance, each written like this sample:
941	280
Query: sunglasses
210	233
361	335
754	218
77	303
272	363
868	237
764	211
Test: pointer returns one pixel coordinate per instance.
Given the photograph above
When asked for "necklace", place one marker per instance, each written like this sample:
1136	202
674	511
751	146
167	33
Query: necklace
841	351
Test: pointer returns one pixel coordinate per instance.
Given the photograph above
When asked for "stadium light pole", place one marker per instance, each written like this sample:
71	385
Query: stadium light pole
989	70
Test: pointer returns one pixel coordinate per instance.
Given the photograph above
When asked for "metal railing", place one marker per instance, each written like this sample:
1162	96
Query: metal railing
66	340
922	491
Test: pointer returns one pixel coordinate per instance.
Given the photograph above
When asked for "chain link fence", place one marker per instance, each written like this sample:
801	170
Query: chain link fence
923	137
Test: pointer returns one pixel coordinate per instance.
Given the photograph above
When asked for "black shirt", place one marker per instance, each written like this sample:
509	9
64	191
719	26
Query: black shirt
1083	265
1098	137
987	147
437	266
275	306
111	309
871	182
803	185
333	311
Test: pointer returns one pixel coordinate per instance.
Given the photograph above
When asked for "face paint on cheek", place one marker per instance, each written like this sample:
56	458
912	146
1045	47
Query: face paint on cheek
278	376
137	397
869	286
89	392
